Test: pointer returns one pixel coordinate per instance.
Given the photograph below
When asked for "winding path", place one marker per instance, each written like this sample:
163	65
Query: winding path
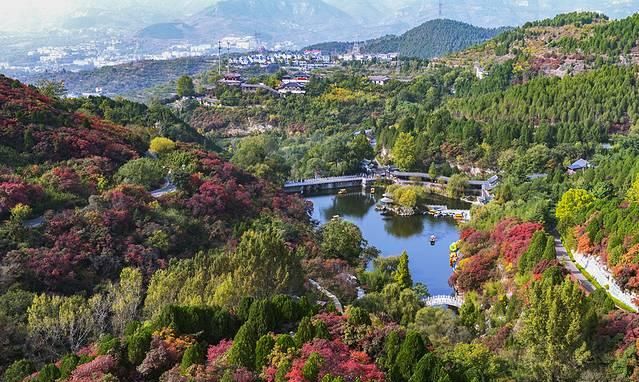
331	296
566	261
167	188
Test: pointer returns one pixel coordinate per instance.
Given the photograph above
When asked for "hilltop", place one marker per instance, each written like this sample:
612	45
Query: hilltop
433	38
566	44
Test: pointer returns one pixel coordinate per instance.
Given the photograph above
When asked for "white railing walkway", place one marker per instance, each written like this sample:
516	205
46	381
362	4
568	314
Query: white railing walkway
439	300
604	277
332	179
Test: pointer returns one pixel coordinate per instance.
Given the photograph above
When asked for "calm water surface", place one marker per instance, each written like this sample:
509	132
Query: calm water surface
391	235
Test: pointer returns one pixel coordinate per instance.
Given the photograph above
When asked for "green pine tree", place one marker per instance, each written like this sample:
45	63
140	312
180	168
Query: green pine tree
242	353
411	351
402	274
305	332
263	349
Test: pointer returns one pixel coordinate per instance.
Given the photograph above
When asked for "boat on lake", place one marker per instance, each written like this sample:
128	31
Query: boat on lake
342	191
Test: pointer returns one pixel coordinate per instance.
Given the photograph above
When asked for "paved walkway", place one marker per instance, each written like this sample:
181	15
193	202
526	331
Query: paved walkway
331	296
566	261
166	189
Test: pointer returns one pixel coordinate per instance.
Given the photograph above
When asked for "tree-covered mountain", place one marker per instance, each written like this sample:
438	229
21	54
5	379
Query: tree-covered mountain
166	31
431	39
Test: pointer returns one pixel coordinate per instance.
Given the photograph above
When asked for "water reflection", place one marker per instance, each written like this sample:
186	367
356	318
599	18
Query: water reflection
404	226
392	235
352	204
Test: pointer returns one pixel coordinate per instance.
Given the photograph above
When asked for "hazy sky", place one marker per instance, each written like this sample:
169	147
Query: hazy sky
38	14
29	15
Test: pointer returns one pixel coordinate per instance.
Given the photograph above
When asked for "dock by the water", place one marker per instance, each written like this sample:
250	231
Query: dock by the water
442	210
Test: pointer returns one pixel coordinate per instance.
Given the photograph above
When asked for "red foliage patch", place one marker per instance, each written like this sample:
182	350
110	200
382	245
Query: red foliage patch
13	191
620	323
475	270
514	237
337	360
94	370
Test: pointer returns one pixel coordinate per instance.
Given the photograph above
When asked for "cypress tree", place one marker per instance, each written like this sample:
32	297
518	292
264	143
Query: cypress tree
532	255
411	351
284	342
392	344
424	368
312	367
549	251
263	349
305	332
402	274
193	355
49	373
263	315
68	364
321	331
242	352
358	316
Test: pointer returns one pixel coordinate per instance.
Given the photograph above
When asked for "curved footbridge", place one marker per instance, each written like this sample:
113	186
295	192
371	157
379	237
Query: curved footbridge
444	300
330	183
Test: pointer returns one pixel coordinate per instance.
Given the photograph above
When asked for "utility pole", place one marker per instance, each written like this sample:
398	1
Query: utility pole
219	58
228	57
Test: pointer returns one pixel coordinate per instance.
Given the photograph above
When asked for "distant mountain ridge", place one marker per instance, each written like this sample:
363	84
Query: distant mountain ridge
431	39
166	31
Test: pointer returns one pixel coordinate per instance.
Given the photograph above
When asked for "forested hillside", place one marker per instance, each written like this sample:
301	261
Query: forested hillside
127	79
433	38
143	243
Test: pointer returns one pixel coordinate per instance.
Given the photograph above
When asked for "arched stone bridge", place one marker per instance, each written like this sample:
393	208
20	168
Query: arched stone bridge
441	300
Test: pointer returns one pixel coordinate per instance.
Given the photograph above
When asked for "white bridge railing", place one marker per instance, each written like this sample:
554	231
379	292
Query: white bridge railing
439	300
333	179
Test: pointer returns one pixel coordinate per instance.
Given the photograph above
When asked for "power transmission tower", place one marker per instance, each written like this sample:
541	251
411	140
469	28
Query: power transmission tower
440	13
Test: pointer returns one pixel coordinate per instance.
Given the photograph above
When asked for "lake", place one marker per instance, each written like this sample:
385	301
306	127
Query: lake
394	234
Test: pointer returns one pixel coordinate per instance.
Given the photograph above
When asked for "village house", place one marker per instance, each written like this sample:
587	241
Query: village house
300	78
379	80
231	79
292	88
578	165
255	88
